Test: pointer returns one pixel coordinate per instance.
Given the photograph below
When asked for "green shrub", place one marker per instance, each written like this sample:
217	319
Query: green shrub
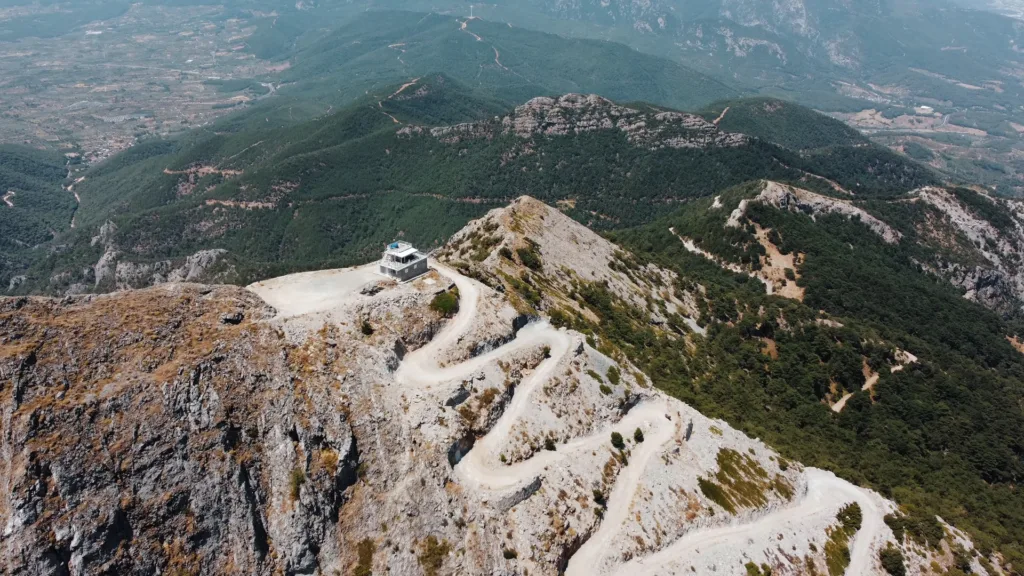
530	258
297	479
614	376
509	554
617	441
605	390
446	304
638	435
599	497
892	561
754	570
366	328
850	517
549	444
505	253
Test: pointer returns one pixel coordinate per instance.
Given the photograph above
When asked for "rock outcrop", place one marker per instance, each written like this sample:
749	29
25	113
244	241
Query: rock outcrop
790	198
989	263
144	434
116	271
574	114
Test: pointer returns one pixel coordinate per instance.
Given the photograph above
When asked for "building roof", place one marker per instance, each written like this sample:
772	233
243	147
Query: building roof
403	252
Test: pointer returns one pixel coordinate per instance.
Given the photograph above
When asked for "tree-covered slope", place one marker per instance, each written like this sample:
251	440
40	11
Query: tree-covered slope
784	123
33	205
329	192
514	63
826	375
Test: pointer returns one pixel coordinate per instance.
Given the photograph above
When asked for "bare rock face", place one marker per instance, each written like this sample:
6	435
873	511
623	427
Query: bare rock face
574	114
112	271
789	198
142	434
990	288
990	263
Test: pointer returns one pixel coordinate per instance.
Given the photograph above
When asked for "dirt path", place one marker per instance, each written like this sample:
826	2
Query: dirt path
480	468
465	28
721	116
658	432
497	59
380	104
402	89
838	406
692	247
825	491
9	198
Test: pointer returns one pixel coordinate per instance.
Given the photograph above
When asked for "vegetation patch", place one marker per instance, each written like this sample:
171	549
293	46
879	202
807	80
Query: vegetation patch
755	570
433	554
614	376
530	258
741	483
837	548
892	561
295	482
364	552
446	303
617	441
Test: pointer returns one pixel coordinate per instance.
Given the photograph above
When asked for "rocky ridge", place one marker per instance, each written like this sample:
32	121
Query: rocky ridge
567	254
113	271
573	114
989	261
979	253
185	428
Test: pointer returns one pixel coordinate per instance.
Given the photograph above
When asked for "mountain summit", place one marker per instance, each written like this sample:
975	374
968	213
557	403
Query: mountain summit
362	425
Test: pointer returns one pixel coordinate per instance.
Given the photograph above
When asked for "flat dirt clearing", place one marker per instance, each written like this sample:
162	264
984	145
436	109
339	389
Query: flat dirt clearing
310	292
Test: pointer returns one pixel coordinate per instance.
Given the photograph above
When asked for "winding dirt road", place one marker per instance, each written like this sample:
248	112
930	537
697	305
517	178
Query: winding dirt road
824	490
481	469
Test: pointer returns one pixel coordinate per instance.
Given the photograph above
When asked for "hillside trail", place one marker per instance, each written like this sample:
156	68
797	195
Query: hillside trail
480	467
380	103
824	490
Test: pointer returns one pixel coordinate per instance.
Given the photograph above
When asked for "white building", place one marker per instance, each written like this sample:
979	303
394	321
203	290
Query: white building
403	262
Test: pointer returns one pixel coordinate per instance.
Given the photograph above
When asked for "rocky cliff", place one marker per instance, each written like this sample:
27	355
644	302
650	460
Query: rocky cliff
574	114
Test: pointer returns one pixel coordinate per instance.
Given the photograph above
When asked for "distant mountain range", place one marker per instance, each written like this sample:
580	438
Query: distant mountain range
420	159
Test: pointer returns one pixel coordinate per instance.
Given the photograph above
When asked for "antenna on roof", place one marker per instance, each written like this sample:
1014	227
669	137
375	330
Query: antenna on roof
471	11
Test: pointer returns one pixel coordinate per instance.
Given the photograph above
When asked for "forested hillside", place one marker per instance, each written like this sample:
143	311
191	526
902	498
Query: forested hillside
783	123
331	191
373	50
33	205
826	375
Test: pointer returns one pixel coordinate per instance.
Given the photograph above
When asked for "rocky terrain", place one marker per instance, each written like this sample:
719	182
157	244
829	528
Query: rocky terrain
574	114
337	422
972	240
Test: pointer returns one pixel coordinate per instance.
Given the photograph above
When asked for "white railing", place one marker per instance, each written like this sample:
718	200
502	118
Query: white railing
399	265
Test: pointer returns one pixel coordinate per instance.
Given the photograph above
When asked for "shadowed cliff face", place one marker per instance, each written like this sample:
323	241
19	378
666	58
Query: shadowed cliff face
158	431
